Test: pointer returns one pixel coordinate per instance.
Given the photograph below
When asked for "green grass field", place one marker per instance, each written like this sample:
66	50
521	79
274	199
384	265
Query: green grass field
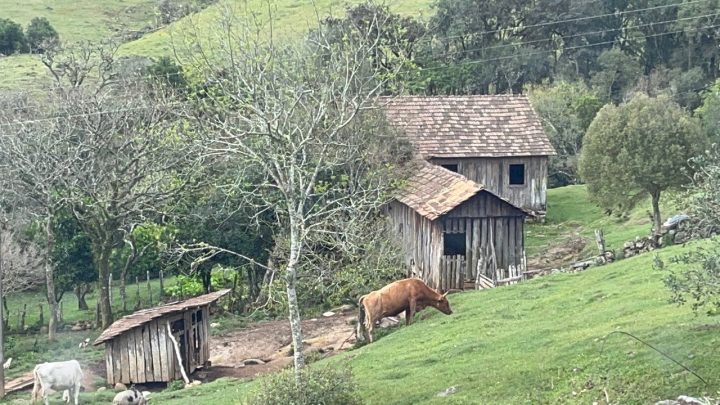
75	21
545	341
571	213
101	19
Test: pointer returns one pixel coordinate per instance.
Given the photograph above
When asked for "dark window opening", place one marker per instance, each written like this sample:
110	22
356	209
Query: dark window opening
452	168
517	174
400	230
454	244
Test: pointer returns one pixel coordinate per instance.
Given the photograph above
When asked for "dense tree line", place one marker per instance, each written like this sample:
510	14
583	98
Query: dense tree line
37	37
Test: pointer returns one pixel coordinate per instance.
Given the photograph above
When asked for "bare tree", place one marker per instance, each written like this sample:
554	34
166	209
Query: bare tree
131	151
293	123
34	167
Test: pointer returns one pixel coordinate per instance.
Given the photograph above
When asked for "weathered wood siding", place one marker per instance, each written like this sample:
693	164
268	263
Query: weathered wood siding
494	173
146	354
421	241
494	233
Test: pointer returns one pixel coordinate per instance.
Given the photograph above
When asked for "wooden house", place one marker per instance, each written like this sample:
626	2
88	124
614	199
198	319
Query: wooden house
159	344
451	229
496	141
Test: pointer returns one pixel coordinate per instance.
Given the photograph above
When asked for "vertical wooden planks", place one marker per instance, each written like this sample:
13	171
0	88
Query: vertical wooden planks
206	340
109	363
163	351
140	354
122	345
147	352
189	343
132	355
155	352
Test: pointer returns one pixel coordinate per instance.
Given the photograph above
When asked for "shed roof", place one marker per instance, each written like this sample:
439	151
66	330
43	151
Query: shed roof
469	126
433	191
144	316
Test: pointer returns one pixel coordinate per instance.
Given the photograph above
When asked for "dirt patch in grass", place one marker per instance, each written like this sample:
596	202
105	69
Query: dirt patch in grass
270	343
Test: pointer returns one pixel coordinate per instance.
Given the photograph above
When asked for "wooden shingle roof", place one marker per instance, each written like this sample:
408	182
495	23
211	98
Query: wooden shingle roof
144	316
469	126
433	191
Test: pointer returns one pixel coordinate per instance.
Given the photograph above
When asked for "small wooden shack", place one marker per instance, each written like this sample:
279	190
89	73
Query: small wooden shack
452	229
494	140
142	347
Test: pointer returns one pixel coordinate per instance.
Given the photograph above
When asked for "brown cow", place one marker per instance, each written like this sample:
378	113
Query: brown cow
409	295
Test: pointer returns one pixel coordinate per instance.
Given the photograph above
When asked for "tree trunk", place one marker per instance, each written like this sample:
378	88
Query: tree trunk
102	263
2	321
80	292
657	220
50	280
293	308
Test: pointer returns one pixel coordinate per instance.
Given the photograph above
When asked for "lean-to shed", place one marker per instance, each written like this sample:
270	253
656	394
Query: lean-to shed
452	229
142	347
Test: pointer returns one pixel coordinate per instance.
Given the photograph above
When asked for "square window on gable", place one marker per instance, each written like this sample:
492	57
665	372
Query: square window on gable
517	174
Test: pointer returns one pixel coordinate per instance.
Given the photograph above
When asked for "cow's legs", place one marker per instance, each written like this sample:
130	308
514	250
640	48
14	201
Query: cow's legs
45	394
410	312
77	392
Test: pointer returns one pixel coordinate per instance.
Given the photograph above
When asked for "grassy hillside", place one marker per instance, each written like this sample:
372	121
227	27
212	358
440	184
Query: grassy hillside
291	18
75	20
543	341
572	214
98	19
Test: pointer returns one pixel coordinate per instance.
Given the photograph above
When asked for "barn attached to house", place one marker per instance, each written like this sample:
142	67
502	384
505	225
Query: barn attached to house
145	346
452	229
494	140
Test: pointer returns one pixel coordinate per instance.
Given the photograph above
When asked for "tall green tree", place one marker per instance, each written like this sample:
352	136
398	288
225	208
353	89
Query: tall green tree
41	35
12	37
638	149
566	110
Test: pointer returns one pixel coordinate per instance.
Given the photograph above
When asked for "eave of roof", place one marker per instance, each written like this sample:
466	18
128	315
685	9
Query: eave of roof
144	316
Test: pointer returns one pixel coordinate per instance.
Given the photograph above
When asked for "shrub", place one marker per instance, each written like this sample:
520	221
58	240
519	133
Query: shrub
320	386
41	35
12	37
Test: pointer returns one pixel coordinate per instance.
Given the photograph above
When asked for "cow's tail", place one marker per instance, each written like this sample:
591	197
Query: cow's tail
361	319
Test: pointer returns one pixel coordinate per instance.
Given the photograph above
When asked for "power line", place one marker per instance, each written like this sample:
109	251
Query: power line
585	18
574	35
472	62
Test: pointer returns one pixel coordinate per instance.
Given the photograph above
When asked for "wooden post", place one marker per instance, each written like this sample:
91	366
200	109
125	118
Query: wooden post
600	241
60	313
177	352
162	285
21	319
110	288
98	320
137	293
147	279
42	316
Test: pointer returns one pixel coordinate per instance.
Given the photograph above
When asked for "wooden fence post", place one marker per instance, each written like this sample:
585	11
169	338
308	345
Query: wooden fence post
137	293
162	285
600	241
21	320
147	280
42	316
110	288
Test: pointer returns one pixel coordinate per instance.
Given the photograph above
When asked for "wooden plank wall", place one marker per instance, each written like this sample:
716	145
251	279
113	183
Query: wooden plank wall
146	354
503	235
494	173
421	241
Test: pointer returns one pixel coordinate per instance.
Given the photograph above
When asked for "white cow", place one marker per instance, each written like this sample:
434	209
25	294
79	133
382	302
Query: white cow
131	397
63	375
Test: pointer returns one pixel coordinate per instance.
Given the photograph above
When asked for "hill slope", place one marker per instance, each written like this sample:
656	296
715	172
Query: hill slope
542	341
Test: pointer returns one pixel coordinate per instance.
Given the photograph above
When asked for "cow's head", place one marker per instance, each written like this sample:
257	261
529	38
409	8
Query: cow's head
443	305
